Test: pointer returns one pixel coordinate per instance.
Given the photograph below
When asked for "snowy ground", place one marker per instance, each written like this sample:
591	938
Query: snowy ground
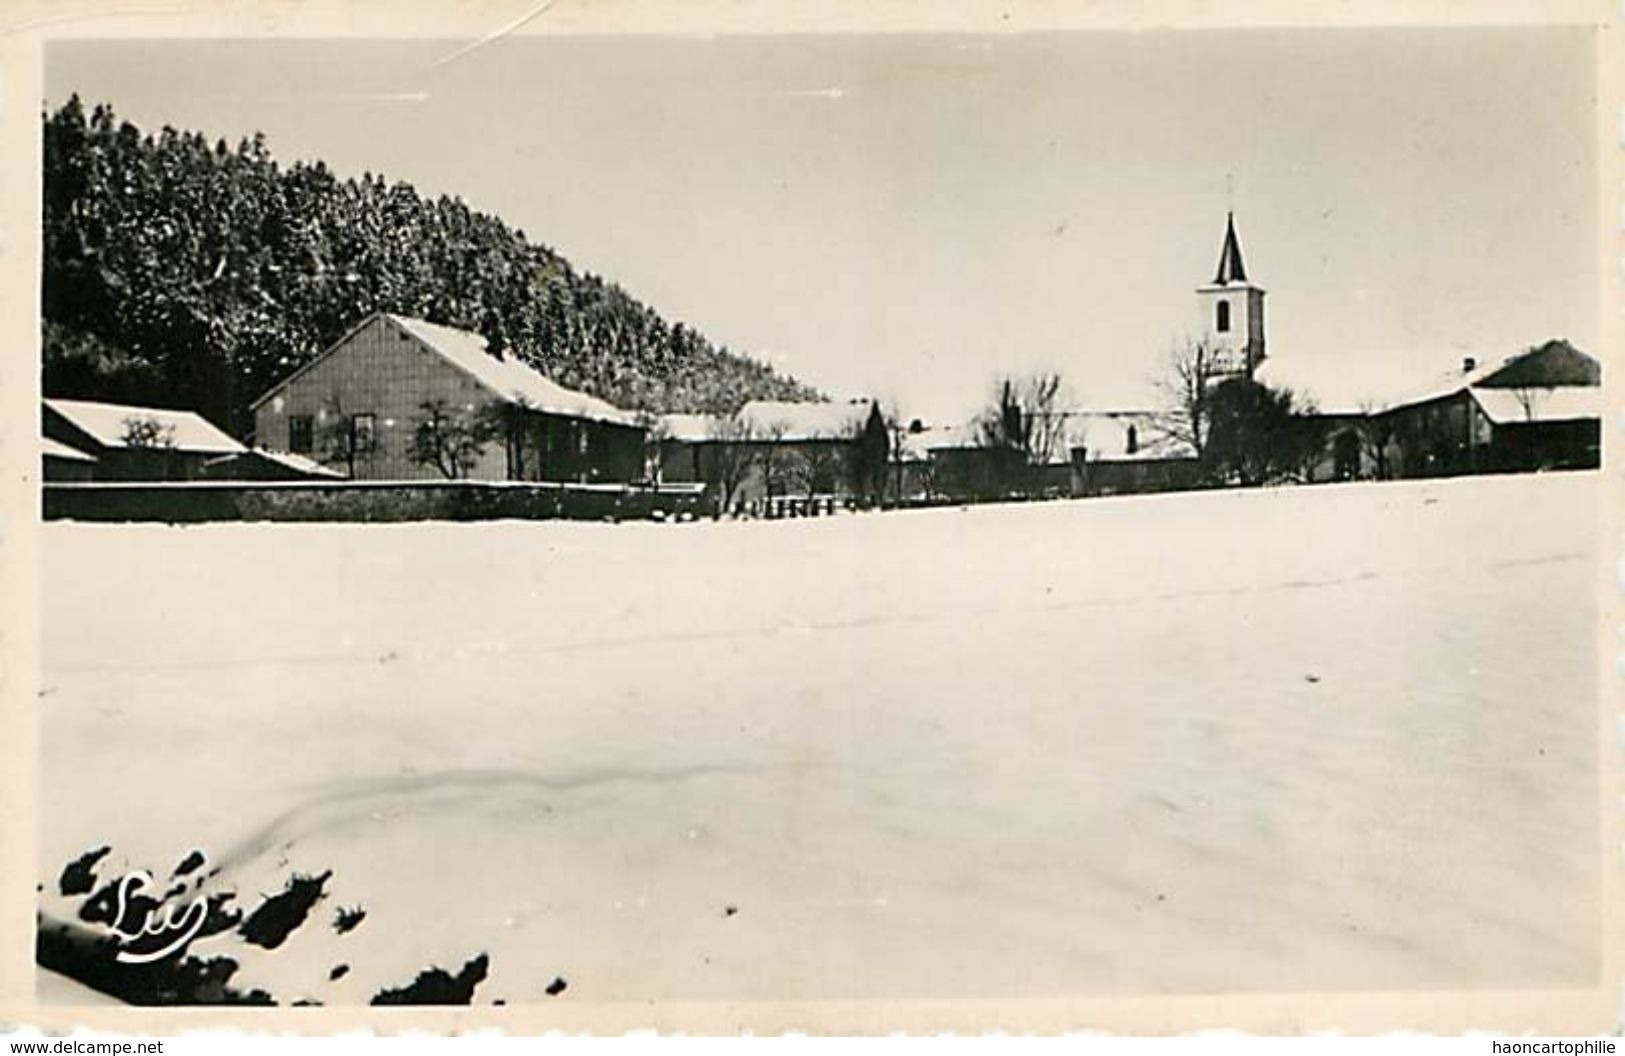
1339	737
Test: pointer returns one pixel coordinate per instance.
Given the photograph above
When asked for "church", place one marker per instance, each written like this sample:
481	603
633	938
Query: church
1534	410
1129	452
1234	310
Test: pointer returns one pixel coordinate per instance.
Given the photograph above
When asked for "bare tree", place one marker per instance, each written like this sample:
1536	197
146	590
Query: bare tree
655	433
772	458
1376	433
1041	396
817	468
896	431
509	421
1528	397
1023	424
336	439
450	442
730	451
148	432
1185	388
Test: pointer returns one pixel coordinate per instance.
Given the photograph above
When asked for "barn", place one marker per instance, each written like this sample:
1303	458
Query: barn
398	398
1539	409
129	443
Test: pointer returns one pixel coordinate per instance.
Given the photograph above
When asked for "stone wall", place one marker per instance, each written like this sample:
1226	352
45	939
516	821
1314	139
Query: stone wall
365	501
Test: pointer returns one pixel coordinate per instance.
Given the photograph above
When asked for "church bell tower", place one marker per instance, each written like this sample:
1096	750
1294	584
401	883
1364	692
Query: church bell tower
1233	309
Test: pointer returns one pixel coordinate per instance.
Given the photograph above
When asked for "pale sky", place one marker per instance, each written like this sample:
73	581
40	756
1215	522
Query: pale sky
909	216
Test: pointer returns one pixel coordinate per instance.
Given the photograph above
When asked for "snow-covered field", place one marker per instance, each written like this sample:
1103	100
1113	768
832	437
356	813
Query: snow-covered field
1339	737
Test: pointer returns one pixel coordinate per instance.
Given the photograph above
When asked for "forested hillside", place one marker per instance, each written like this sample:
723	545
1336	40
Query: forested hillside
182	274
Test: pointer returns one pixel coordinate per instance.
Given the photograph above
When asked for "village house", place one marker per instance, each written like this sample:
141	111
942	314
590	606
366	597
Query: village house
773	451
404	399
1091	453
1128	452
838	449
1537	410
89	440
964	467
909	475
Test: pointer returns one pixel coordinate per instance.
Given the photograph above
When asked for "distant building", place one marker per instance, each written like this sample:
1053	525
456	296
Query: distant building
773	450
1105	452
689	447
129	443
909	477
817	448
1092	452
966	468
1539	409
1128	452
404	399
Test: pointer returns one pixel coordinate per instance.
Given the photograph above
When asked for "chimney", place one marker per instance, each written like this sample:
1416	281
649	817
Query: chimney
1468	364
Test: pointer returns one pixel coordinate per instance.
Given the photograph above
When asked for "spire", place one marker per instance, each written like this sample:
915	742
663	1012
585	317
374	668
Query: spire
1231	269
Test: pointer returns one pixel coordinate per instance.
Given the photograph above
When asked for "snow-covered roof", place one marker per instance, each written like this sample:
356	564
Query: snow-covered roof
1441	385
792	421
1567	404
297	463
302	463
57	449
1105	435
951	437
111	424
915	446
508	378
1501	374
691	428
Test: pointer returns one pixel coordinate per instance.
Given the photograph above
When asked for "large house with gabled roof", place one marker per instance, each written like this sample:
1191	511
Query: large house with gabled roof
398	398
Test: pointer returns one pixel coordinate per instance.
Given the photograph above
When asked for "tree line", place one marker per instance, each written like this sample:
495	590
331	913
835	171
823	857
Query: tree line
187	274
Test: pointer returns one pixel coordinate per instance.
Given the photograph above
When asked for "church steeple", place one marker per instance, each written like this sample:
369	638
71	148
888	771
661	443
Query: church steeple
1233	307
1231	268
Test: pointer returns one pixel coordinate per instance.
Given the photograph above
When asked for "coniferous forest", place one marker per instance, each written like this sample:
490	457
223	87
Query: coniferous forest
181	273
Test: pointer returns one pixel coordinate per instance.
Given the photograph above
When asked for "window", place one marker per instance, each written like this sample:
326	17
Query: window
363	431
1133	440
301	434
581	440
1221	321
